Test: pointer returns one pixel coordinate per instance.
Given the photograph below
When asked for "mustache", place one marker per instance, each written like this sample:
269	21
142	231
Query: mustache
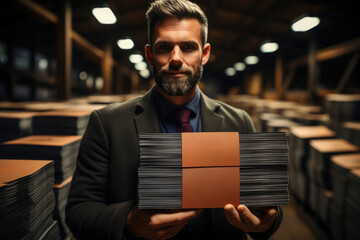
183	69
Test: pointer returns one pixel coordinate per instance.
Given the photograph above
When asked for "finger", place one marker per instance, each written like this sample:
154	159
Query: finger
271	211
269	215
232	215
170	219
249	218
261	212
265	213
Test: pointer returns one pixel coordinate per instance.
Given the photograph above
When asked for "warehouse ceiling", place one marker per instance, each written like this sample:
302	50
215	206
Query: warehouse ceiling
236	27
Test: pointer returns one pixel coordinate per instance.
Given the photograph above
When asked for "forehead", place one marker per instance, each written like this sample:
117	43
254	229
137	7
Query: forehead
177	30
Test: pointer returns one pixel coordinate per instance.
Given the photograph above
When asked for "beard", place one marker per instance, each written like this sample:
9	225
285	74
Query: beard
177	86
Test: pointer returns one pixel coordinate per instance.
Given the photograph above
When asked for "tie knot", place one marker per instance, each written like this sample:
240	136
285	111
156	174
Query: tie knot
182	118
181	115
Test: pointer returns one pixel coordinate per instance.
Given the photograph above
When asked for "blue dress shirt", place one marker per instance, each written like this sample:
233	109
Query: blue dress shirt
164	108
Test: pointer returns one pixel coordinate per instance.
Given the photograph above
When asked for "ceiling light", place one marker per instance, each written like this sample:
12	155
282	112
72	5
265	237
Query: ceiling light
99	83
230	71
140	66
145	73
136	58
43	64
251	60
239	66
90	81
104	15
125	43
269	47
83	75
305	23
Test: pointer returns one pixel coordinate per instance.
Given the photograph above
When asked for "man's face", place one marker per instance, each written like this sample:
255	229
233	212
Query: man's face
177	55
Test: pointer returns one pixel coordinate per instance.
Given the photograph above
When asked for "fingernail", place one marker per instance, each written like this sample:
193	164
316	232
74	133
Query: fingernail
241	208
228	206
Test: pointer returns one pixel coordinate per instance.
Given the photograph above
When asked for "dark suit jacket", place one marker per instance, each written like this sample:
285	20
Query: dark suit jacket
104	186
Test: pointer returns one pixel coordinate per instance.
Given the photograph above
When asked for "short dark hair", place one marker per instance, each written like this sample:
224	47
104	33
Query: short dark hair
164	9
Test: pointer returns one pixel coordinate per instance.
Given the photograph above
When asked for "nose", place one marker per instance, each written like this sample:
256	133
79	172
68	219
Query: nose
176	56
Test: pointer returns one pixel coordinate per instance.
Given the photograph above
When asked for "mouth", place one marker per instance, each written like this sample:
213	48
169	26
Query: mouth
176	73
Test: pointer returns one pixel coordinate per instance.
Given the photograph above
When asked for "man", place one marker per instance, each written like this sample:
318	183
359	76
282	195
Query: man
102	200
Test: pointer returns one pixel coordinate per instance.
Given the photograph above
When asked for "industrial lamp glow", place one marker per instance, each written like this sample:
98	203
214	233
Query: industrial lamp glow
104	15
136	58
230	71
239	66
126	43
305	23
251	60
269	47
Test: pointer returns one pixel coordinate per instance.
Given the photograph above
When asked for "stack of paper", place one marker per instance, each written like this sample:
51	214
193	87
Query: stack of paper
340	167
350	131
280	125
352	221
299	139
61	194
320	153
61	122
104	99
265	117
209	170
27	199
14	124
62	149
52	233
342	108
13	106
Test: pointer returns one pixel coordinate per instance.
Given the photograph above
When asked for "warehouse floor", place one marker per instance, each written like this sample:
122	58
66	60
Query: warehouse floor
296	225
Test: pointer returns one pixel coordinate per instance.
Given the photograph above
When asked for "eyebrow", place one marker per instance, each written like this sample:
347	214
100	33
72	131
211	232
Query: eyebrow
167	42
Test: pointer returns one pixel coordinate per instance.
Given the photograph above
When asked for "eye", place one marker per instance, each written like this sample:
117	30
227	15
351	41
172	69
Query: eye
164	48
188	47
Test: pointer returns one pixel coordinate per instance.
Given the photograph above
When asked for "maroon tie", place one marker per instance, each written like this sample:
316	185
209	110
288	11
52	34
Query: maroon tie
182	118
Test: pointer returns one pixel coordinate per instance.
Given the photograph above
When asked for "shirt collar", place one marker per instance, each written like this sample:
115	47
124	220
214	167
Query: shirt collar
164	107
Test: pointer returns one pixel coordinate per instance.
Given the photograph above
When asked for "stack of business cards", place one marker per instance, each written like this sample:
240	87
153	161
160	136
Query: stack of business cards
15	124
321	151
13	106
352	212
61	194
342	108
340	166
350	131
299	139
209	170
318	166
27	198
61	122
104	99
62	149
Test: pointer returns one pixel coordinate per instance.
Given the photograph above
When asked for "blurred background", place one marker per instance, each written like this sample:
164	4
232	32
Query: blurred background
59	50
292	65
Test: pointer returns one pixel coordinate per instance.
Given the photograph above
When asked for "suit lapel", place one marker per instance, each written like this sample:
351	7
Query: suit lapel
146	120
211	120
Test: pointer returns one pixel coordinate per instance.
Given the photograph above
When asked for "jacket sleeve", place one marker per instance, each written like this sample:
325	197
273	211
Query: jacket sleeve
88	214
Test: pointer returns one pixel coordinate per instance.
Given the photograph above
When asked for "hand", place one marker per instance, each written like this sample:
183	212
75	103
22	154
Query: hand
158	224
259	220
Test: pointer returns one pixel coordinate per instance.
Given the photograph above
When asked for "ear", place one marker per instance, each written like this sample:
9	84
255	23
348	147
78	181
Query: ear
205	53
148	55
